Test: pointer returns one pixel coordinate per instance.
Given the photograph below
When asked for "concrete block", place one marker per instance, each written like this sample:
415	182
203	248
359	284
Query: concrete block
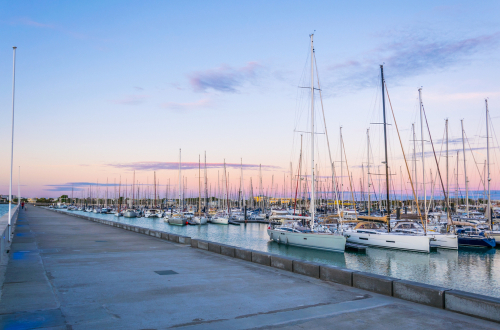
146	231
244	254
202	245
280	262
194	242
164	236
158	234
152	233
173	238
419	292
473	304
336	274
227	250
306	268
372	282
185	240
214	247
261	258
136	229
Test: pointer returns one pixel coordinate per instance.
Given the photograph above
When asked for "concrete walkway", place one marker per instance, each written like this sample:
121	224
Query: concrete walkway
69	273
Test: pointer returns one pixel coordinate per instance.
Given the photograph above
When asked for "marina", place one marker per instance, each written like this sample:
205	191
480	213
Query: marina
467	269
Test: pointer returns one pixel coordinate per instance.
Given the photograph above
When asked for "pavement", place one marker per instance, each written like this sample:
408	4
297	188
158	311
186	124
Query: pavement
69	273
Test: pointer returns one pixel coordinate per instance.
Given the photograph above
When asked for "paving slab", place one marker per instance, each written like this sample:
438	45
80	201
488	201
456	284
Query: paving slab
87	275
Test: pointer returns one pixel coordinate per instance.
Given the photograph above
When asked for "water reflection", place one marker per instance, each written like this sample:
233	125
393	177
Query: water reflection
470	269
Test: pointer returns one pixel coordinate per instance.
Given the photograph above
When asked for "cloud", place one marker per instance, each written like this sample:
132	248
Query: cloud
29	22
203	103
154	166
131	100
139	88
407	57
224	78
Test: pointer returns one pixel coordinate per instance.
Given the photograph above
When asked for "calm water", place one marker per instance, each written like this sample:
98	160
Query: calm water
4	208
473	270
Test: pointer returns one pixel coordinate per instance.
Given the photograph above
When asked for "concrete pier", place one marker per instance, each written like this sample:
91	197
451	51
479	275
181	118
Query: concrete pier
69	273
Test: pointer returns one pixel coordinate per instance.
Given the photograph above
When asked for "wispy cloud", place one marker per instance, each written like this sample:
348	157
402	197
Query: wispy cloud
224	78
131	100
409	56
203	103
26	21
154	166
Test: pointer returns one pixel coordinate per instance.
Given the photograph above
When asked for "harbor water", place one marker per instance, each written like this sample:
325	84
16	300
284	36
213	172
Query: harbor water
4	208
474	270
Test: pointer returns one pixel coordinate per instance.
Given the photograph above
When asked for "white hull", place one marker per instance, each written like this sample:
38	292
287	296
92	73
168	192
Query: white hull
419	243
129	214
200	220
177	221
319	241
495	235
220	221
446	241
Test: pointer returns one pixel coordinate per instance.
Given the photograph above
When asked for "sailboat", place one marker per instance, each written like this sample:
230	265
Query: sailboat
222	218
199	218
292	232
373	232
179	219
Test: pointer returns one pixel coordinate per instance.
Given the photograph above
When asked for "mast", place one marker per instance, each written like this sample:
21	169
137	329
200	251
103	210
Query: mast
368	168
206	189
180	182
448	211
241	184
415	159
312	206
465	172
488	209
385	147
199	186
423	156
456	189
341	175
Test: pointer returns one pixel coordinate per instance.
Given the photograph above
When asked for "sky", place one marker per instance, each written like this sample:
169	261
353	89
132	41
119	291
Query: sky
104	88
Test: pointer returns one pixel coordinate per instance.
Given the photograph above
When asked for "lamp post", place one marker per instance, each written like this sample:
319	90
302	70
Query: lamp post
12	141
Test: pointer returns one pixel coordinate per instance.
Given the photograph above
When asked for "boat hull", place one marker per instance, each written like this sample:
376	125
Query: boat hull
177	221
444	241
220	221
199	220
318	241
129	214
391	241
476	241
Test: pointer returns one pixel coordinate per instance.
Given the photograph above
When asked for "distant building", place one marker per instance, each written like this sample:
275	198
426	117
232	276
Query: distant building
5	198
32	200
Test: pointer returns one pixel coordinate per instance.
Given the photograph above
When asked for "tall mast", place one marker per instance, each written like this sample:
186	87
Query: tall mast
341	175
199	185
368	168
180	182
241	186
206	189
385	147
12	140
423	155
465	171
488	209
456	189
415	159
313	208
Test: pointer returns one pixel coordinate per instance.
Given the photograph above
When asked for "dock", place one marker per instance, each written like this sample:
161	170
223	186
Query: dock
64	272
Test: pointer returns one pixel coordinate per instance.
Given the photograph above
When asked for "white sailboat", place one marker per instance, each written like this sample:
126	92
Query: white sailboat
316	236
179	219
374	233
199	218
